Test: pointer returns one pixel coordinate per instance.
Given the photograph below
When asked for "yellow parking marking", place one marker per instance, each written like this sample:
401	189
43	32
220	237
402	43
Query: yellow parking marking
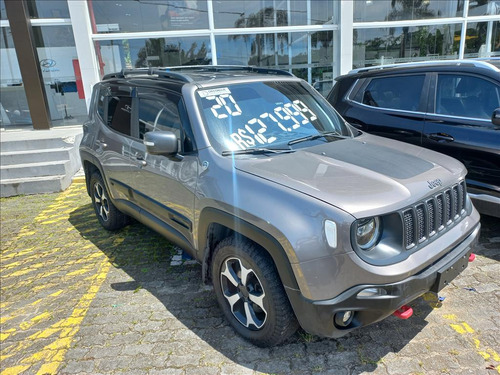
87	259
465	329
53	354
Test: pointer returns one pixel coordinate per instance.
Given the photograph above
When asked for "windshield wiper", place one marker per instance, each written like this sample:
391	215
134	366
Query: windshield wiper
256	151
316	136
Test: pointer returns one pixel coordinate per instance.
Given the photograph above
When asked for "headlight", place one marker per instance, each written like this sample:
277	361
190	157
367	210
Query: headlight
368	233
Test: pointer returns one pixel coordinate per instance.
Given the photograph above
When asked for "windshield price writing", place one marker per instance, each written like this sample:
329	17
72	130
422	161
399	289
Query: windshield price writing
284	118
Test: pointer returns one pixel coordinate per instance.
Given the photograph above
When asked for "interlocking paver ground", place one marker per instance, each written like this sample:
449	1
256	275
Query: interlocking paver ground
76	299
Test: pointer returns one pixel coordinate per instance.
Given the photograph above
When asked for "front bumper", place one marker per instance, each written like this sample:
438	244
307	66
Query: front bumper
317	317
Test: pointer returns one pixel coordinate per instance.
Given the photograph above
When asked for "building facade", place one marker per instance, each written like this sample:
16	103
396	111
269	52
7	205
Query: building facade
76	42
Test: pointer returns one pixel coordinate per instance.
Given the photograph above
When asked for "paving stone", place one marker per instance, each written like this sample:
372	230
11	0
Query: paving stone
147	318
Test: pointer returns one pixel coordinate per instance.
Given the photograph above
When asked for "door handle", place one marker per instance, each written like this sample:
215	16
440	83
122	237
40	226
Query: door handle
101	143
440	137
139	157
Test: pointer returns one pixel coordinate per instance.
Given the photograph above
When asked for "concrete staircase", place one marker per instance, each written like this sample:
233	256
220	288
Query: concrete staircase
38	161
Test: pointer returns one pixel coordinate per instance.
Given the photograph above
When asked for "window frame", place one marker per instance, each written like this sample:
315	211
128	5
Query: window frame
360	86
431	109
159	95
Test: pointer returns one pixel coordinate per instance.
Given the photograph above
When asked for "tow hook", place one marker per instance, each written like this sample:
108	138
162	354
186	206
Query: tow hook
404	312
472	257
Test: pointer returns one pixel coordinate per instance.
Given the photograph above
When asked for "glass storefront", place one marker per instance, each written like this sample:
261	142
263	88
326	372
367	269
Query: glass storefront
269	13
3	12
476	41
309	54
13	104
123	16
60	68
151	33
484	7
405	44
155	52
396	10
48	9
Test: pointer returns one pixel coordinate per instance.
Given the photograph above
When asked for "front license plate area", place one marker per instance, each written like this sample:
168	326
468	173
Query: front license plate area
447	274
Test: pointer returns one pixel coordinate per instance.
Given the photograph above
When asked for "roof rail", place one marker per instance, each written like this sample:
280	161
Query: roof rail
176	73
160	72
476	63
222	68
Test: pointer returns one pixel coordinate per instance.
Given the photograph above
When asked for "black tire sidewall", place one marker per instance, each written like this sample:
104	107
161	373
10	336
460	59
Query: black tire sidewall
115	218
225	251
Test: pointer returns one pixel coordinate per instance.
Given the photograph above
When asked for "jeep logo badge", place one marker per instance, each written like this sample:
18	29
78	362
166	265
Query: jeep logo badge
434	183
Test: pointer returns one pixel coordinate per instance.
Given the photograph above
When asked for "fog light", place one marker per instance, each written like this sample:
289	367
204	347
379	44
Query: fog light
372	292
343	318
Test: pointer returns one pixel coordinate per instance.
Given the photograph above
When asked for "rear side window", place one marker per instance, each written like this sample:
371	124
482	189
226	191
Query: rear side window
466	96
119	113
101	100
402	92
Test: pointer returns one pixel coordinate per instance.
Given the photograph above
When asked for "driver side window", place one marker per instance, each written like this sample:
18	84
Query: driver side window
156	115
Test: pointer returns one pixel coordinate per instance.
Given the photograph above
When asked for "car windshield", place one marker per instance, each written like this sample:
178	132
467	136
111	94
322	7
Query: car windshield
270	115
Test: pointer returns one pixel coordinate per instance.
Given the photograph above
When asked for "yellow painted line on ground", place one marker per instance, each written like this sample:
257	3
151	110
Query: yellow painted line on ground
465	329
53	354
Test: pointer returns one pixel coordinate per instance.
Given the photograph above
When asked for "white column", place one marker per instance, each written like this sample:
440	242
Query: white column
463	34
211	26
82	30
489	37
346	35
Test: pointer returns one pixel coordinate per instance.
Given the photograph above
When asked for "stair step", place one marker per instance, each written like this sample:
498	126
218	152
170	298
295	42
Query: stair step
34	185
34	156
48	168
37	144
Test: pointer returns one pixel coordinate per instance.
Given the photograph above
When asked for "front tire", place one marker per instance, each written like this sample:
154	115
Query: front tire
107	214
251	294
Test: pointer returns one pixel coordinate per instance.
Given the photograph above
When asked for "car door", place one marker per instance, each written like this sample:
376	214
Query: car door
390	106
113	140
165	186
459	124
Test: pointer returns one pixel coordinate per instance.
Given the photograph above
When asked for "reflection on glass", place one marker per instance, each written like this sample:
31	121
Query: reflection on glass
252	49
155	52
484	7
269	13
322	47
404	44
393	10
3	12
13	104
477	43
59	65
280	50
48	9
148	15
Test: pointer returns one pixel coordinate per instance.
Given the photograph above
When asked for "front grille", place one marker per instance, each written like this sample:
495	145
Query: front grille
435	214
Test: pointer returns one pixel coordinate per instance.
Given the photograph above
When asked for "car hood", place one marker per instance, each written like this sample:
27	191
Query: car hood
364	176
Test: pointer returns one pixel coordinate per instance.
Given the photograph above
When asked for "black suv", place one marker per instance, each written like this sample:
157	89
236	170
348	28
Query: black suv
451	107
295	216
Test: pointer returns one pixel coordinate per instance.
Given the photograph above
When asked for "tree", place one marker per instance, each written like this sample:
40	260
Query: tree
263	18
407	10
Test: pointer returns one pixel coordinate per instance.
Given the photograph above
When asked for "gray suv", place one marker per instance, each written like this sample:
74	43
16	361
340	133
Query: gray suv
296	217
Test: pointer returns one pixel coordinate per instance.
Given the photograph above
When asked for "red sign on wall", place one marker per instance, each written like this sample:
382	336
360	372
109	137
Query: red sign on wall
78	77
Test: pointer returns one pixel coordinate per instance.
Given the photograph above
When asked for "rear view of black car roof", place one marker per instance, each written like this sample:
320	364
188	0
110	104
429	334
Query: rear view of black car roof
426	66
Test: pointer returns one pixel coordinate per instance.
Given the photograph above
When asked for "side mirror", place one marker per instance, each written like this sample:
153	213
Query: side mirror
495	118
161	143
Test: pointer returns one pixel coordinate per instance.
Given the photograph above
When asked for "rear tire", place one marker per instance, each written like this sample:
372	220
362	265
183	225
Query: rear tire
251	294
107	214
